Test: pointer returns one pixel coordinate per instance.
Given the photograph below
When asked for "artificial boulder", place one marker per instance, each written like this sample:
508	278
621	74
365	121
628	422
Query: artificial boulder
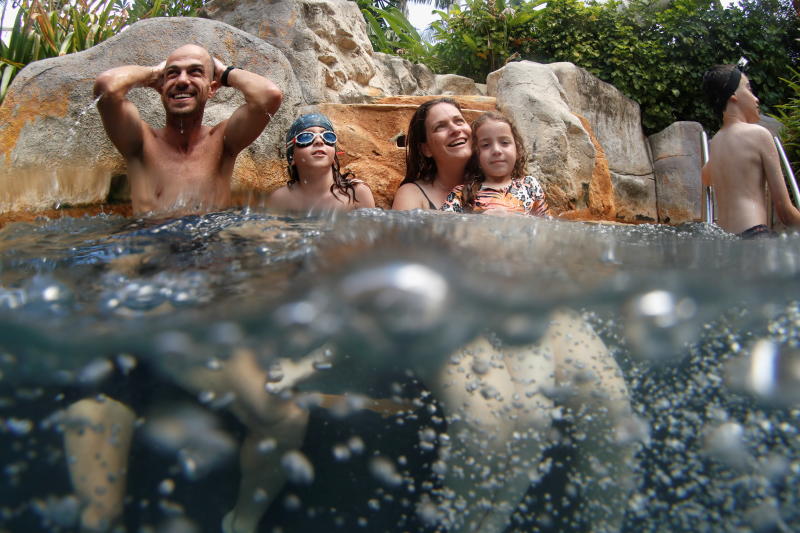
325	40
616	121
53	148
677	164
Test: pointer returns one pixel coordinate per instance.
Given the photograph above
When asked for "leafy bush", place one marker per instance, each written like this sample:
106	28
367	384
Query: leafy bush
482	36
789	114
391	33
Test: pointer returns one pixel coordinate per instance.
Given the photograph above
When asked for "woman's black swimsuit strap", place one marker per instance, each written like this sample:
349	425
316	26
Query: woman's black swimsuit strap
431	205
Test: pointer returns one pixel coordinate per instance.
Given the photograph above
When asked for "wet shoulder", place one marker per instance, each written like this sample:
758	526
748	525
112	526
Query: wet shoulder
409	196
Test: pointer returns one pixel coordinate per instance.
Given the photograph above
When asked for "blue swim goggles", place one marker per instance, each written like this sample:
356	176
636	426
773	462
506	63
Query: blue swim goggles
305	138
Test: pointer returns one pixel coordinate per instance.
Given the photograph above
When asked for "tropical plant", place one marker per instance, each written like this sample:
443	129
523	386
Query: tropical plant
480	36
390	32
789	115
49	28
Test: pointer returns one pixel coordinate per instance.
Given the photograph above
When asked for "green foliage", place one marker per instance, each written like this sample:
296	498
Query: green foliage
654	55
391	33
481	36
789	114
49	28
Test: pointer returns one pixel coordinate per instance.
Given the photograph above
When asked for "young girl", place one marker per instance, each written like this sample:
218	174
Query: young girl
499	184
315	181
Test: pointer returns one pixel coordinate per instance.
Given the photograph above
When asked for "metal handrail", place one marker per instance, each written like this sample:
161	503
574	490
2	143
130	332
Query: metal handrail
709	192
787	168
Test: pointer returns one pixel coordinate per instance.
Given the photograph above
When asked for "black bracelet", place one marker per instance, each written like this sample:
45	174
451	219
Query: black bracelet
224	78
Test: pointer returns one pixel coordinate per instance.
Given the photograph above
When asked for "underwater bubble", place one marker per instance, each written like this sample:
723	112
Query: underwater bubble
349	404
275	373
166	487
267	445
725	443
63	512
260	495
140	296
18	426
383	470
480	366
356	445
193	435
341	452
298	468
292	502
658	325
12	298
44	293
403	297
770	372
95	372
126	363
322	365
632	429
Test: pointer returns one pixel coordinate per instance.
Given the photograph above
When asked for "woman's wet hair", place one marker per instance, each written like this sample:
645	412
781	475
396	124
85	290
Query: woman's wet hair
719	84
418	166
474	175
343	183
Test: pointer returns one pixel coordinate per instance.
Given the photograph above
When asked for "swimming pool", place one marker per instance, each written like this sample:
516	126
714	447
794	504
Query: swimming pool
703	326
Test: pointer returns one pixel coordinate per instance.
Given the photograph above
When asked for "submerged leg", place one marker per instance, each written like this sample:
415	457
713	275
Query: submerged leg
598	400
495	431
97	438
267	417
262	475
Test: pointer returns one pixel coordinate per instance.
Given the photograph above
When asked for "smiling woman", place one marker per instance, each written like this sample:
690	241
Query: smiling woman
437	152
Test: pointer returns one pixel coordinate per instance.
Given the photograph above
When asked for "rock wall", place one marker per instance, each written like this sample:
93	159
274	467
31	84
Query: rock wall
583	137
616	121
677	163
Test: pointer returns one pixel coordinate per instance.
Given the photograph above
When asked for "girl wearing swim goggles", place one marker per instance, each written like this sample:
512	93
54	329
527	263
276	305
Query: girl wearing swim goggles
305	138
315	181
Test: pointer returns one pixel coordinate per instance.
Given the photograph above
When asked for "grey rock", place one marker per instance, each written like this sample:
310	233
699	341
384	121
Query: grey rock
325	40
677	164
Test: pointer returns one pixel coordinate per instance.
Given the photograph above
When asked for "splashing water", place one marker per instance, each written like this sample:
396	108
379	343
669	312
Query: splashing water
356	312
73	130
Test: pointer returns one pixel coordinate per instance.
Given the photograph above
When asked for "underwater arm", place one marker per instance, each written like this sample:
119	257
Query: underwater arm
120	117
262	100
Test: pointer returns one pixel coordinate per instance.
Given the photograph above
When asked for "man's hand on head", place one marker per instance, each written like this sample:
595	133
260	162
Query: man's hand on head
157	76
219	68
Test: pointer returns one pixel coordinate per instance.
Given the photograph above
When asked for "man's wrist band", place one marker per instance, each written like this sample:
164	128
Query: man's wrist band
224	78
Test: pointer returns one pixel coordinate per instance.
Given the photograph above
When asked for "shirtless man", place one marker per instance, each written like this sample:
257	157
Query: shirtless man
185	166
742	157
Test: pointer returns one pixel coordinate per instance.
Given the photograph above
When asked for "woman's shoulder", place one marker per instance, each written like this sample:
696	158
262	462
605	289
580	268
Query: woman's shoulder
408	196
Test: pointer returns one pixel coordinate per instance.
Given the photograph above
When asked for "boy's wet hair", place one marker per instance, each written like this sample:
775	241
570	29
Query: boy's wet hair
719	84
474	174
343	183
418	166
